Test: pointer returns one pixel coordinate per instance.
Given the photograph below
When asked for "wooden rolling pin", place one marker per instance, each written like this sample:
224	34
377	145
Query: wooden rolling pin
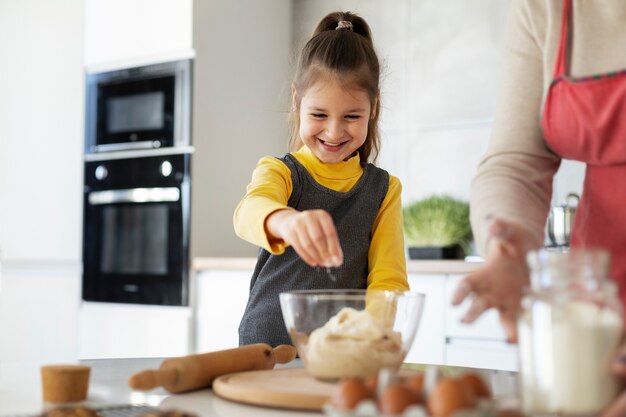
193	372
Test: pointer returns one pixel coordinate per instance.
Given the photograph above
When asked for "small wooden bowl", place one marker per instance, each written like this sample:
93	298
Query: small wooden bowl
64	383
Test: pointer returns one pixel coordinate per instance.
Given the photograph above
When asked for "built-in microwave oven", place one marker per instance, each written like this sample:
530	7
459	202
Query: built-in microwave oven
137	108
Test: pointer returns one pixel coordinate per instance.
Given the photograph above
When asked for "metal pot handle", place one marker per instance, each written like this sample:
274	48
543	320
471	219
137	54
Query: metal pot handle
569	198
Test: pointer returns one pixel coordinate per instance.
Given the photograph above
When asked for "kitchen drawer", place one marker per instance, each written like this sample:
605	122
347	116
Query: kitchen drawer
486	327
487	354
221	299
112	330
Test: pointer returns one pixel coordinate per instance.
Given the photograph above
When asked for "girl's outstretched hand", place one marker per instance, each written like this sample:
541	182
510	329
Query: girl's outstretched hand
311	233
498	284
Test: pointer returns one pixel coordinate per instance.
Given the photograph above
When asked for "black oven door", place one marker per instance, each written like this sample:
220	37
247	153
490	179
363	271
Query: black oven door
135	245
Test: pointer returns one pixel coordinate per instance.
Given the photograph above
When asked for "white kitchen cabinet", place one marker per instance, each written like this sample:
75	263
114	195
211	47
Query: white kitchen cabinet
481	353
221	297
443	339
38	311
126	33
41	131
109	330
428	346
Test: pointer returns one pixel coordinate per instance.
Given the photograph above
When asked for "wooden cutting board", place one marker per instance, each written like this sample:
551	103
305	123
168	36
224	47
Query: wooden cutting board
290	388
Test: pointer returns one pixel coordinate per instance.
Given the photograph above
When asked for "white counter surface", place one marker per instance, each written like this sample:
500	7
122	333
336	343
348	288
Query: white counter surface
413	266
20	392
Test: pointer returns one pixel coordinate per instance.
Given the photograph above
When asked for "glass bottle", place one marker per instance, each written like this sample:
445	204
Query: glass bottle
569	329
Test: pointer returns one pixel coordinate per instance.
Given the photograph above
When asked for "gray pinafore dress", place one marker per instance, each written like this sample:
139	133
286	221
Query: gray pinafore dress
353	213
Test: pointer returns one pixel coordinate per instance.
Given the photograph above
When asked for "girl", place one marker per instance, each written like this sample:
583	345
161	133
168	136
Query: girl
324	206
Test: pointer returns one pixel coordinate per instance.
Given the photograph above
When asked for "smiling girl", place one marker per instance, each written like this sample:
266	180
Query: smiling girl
323	215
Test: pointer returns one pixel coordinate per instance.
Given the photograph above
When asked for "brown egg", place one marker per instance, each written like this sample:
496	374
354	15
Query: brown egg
448	396
395	399
415	384
477	384
348	393
372	383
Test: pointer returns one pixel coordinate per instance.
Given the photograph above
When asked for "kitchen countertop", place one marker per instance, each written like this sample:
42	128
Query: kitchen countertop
20	391
413	266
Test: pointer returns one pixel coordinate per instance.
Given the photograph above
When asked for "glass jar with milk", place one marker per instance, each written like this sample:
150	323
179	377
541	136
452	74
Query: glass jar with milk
569	330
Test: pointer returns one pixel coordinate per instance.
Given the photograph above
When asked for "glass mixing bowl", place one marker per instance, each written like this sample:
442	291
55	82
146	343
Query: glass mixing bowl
351	333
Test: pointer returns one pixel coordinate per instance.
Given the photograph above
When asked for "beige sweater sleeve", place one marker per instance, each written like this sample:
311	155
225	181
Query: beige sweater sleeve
514	179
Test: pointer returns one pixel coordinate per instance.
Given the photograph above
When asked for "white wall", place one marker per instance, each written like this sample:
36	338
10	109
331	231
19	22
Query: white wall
439	84
41	133
41	129
441	74
241	102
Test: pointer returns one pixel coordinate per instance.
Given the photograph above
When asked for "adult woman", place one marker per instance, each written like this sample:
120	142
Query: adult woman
563	96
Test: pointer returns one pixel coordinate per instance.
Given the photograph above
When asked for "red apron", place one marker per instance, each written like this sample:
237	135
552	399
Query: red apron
584	119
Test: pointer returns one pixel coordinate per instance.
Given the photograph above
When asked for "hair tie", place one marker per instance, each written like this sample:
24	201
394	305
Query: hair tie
344	24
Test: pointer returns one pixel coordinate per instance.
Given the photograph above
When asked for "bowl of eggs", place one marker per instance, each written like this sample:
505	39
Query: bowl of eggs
351	333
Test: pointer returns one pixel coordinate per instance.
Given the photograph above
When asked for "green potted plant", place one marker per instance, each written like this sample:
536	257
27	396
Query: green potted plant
437	227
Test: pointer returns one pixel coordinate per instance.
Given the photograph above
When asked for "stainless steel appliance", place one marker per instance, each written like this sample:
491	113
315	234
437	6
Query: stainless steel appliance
145	107
137	188
561	221
136	230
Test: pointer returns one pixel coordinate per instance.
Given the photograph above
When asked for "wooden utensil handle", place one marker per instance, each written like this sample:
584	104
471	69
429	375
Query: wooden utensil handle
284	353
153	378
198	371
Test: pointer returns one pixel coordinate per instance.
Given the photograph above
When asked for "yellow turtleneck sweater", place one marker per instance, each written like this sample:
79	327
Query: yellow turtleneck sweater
271	188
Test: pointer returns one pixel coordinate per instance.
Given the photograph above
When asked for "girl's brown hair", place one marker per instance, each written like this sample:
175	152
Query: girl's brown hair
343	53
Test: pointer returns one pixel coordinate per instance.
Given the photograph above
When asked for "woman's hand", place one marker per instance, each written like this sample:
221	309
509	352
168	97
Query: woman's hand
618	407
498	284
311	233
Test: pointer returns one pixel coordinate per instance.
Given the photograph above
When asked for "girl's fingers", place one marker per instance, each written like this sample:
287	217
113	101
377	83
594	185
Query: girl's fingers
313	249
334	254
303	251
314	237
316	240
323	239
